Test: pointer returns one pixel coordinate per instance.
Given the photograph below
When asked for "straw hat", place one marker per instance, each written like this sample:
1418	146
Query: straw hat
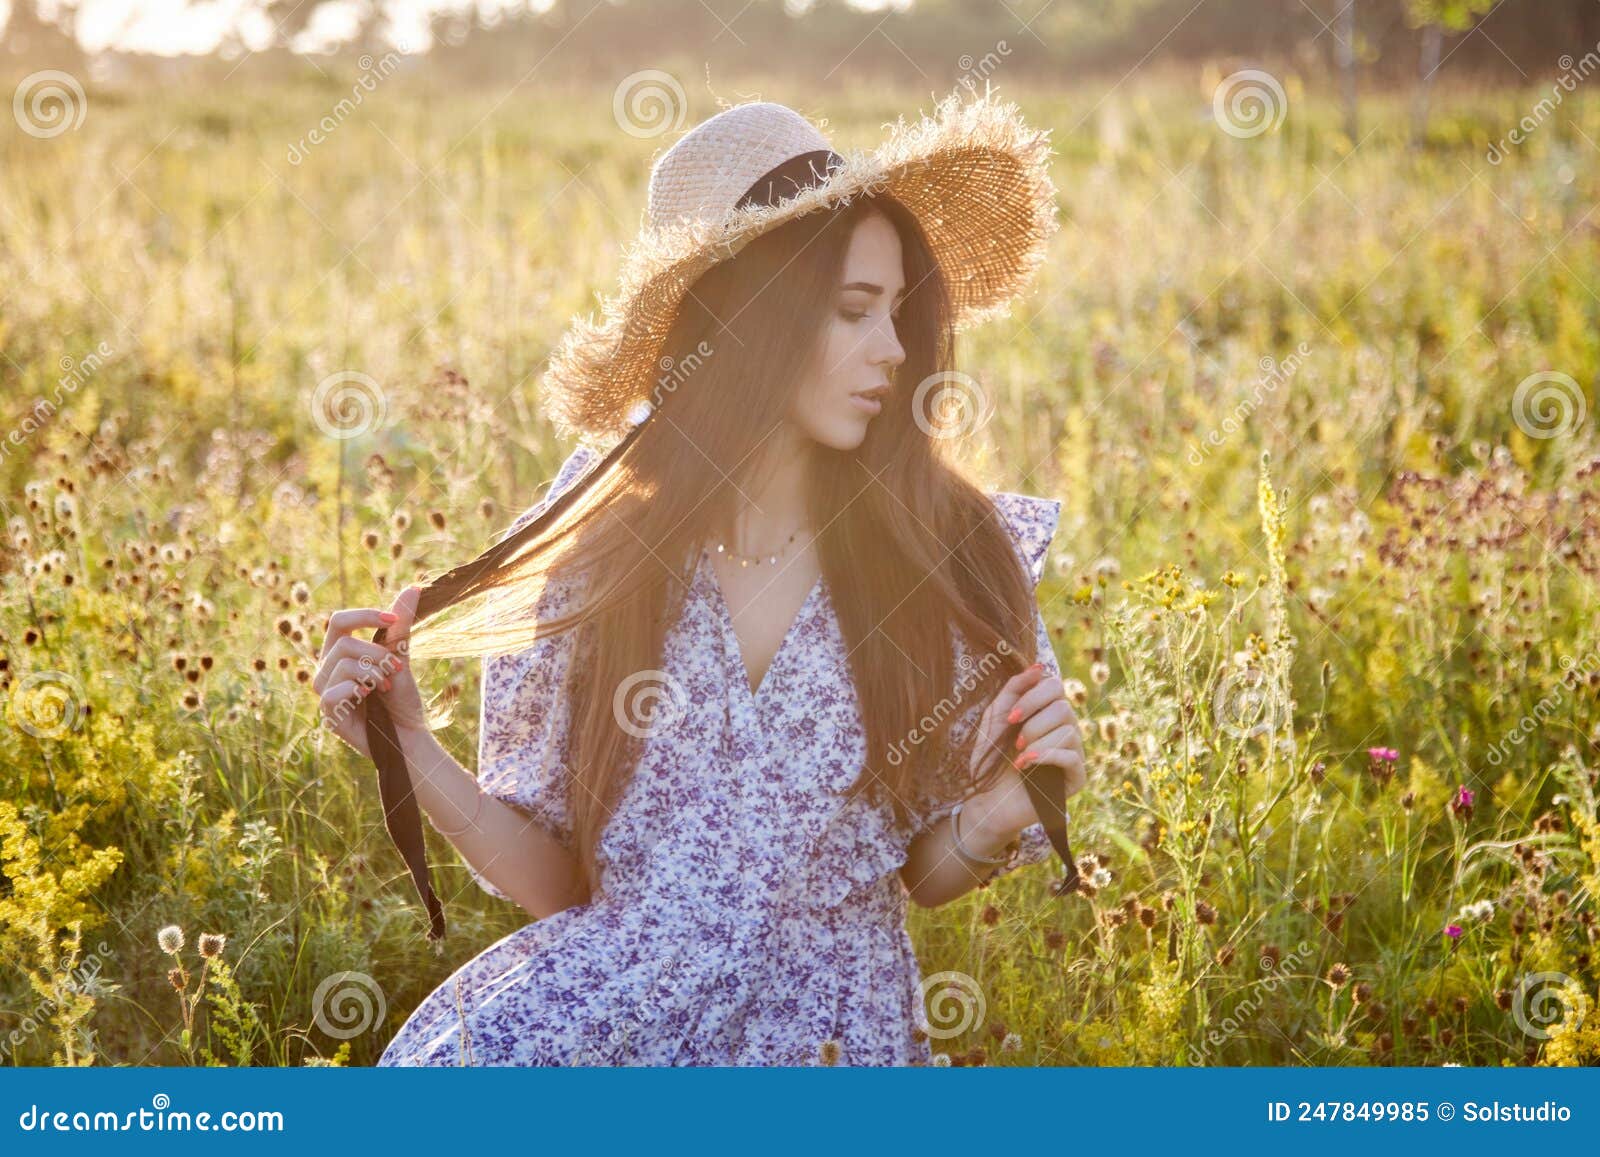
974	174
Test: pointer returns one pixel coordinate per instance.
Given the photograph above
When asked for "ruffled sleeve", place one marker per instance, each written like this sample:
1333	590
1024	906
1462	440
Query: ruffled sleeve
1032	523
522	729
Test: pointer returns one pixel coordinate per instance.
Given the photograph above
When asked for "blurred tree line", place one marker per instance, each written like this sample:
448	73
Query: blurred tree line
935	42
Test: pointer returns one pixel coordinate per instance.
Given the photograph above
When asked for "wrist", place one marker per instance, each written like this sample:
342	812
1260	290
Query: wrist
985	828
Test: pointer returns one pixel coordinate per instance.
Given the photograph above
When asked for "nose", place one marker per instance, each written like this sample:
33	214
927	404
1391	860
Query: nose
888	351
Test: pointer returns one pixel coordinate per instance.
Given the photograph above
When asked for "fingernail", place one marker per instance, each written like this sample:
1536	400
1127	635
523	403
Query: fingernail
1027	758
1015	716
386	684
1037	667
1021	739
388	616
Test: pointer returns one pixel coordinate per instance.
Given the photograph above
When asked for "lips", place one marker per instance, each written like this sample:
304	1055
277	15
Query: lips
870	400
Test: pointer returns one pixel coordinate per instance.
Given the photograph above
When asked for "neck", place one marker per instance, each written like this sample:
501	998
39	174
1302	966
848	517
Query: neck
773	504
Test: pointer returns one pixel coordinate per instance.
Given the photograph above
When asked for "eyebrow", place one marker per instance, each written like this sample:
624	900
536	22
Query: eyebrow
870	287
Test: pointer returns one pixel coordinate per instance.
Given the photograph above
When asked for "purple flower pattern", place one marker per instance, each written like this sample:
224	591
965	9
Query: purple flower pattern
748	913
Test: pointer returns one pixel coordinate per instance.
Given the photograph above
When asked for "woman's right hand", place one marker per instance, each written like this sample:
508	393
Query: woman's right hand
353	668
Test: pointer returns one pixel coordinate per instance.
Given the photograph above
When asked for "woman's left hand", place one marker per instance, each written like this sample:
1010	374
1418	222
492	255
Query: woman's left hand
1049	734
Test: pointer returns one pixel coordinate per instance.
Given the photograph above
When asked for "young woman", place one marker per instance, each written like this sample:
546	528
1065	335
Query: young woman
771	666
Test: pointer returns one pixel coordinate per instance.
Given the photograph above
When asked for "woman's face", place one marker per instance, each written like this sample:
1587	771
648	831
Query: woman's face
859	348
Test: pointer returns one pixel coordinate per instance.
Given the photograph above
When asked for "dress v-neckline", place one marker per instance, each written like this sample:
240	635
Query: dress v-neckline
731	636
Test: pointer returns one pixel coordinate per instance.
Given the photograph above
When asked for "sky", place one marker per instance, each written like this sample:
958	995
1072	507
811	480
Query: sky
179	27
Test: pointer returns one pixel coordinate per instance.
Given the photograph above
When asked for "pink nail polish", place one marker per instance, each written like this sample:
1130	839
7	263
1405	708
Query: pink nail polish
1027	758
388	616
1015	716
1021	739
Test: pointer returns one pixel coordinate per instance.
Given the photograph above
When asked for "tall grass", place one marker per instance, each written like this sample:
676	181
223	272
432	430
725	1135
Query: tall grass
1324	585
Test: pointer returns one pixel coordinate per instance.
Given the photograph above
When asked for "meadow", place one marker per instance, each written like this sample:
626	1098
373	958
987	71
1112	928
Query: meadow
1319	410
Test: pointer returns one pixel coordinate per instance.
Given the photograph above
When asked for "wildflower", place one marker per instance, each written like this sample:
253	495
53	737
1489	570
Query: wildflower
436	517
1339	975
1462	803
941	1060
1361	993
175	978
990	915
1011	1044
211	943
1477	912
300	593
1204	913
1100	672
1380	762
1453	931
829	1053
170	939
1100	877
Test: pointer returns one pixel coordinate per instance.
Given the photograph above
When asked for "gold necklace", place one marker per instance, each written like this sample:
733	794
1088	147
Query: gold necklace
754	559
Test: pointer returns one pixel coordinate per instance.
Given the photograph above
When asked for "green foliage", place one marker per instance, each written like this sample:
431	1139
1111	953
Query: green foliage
1411	566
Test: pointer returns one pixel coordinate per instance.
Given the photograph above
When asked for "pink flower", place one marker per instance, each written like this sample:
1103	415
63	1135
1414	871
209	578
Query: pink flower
1380	763
1453	931
1462	803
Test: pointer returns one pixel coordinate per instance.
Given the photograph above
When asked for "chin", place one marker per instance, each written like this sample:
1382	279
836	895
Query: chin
846	434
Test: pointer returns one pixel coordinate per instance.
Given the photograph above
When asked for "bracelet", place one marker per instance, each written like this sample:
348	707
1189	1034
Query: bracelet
459	831
961	849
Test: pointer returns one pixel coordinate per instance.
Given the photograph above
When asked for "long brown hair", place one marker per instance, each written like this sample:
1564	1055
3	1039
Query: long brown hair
905	539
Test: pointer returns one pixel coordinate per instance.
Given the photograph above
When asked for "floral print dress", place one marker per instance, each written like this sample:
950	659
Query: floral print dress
749	913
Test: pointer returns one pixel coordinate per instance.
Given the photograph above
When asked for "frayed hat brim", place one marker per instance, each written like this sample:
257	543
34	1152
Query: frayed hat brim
975	175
